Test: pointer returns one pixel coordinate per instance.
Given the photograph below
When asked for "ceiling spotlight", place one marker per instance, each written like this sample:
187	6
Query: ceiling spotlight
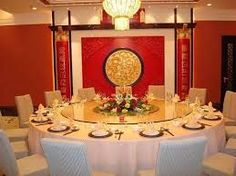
209	4
34	8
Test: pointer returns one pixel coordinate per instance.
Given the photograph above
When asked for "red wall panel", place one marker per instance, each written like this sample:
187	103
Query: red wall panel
26	62
96	49
207	55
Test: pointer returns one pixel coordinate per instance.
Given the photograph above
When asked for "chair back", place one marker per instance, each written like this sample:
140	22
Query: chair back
25	108
8	162
89	93
50	96
227	103
81	94
158	91
66	157
197	92
181	157
232	107
123	89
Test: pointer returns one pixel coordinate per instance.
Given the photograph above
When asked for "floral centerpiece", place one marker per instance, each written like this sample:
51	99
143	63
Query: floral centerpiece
124	104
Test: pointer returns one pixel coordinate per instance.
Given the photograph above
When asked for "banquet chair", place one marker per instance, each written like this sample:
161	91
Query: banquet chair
179	157
89	93
123	89
20	148
25	108
86	93
197	92
81	94
50	96
229	110
219	164
68	158
16	134
158	91
30	165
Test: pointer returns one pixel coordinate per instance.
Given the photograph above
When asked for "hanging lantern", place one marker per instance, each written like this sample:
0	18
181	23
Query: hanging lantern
121	11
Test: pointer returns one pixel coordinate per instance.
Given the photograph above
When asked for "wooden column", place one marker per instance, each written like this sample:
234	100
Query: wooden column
70	50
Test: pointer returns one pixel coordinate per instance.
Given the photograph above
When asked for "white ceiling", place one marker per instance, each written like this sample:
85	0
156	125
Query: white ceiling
21	6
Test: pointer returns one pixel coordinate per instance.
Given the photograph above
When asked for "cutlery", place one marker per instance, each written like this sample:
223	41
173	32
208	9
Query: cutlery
47	123
120	133
167	130
117	132
71	131
203	124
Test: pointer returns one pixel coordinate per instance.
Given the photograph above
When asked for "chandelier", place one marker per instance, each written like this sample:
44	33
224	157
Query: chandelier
121	11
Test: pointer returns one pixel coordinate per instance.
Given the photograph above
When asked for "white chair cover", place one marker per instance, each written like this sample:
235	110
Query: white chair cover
227	102
157	90
25	108
34	165
89	93
123	89
197	92
232	109
86	93
181	157
81	94
66	157
50	96
8	162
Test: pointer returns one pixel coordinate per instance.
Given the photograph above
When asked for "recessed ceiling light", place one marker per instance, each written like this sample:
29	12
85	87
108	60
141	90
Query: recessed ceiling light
209	4
34	8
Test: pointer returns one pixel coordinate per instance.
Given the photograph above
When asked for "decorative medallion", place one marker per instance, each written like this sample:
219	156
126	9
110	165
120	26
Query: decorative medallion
123	67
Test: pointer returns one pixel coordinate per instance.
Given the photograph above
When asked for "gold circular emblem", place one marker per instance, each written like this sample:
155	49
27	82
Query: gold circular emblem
123	67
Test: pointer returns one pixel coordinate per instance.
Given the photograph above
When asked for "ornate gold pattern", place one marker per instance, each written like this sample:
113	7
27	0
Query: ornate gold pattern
123	67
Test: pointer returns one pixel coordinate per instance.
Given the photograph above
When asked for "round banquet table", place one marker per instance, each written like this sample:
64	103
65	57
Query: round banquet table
132	152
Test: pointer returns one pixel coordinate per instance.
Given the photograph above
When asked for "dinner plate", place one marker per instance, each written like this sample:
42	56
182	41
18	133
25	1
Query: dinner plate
151	134
215	117
100	134
206	108
59	128
39	120
193	127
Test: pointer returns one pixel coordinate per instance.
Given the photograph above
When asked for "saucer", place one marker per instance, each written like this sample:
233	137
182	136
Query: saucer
59	128
100	134
151	134
39	120
196	126
215	117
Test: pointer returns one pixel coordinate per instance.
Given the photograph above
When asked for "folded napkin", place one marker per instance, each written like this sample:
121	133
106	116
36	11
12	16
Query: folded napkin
176	98
40	107
55	103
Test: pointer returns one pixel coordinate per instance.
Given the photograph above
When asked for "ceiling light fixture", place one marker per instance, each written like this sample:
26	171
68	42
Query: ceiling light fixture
209	4
34	8
121	11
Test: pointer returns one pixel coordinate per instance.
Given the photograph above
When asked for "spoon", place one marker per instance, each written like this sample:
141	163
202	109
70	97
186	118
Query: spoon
71	131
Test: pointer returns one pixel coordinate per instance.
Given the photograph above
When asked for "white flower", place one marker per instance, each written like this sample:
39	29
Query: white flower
128	97
138	109
124	111
127	105
106	105
148	107
114	110
101	107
